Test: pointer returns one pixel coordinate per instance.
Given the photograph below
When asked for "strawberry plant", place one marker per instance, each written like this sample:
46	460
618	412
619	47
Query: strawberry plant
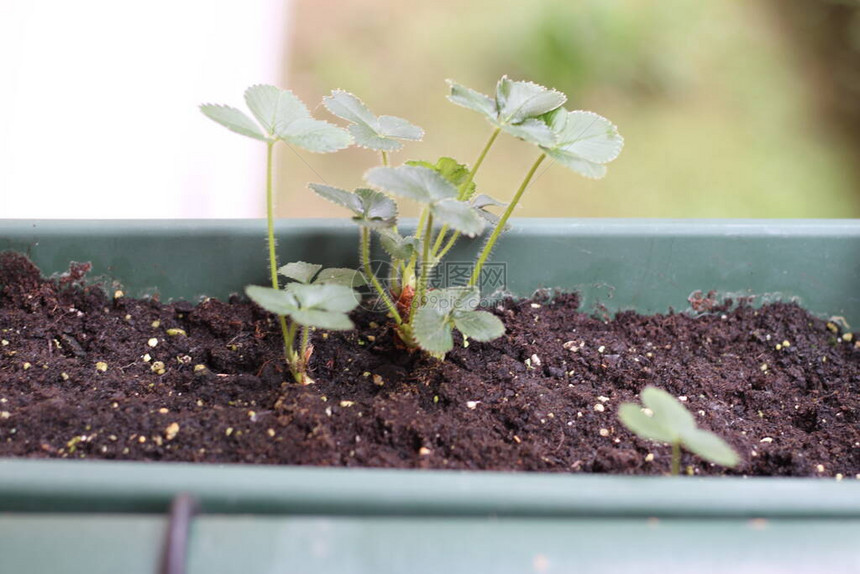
445	190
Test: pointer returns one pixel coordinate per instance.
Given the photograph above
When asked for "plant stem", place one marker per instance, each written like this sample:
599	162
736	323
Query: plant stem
419	233
422	219
303	352
384	158
365	262
462	196
270	217
465	185
500	226
440	238
293	360
676	458
454	237
287	333
425	268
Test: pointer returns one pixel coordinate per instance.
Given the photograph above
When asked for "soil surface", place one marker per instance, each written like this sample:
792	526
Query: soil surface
85	374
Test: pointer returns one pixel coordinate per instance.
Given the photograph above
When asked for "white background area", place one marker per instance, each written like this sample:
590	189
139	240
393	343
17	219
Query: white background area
99	106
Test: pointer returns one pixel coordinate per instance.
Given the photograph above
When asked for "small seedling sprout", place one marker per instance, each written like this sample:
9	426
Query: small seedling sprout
664	419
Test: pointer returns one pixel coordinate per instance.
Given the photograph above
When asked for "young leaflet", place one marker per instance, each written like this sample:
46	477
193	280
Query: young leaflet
666	420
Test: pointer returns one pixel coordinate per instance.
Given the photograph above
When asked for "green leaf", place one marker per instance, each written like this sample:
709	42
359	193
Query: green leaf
418	183
532	131
449	168
394	127
481	202
324	297
710	447
273	106
341	276
432	330
421	163
300	271
330	320
397	246
272	300
314	135
668	410
426	185
519	101
469	98
338	196
348	107
378	133
452	299
514	102
323	306
366	137
371	208
584	141
233	119
377	208
590	136
584	168
479	325
518	108
452	170
458	215
432	324
672	422
647	427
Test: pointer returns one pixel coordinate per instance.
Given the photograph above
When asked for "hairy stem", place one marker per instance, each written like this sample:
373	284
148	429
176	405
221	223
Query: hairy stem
421	288
365	262
451	241
422	220
409	269
500	226
294	360
303	353
439	239
462	195
464	187
384	158
270	217
289	353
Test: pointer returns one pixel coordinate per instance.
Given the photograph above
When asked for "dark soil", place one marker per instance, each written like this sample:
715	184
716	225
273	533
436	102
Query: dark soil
782	386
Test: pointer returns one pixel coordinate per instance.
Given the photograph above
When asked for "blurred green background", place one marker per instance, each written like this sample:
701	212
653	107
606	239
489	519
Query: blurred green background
725	107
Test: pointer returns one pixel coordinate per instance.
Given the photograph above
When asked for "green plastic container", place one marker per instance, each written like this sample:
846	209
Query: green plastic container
87	516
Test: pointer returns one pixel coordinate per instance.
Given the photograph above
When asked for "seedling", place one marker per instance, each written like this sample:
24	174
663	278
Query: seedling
318	298
281	116
664	419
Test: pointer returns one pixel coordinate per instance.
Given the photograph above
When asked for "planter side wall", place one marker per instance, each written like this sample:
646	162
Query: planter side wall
101	516
647	265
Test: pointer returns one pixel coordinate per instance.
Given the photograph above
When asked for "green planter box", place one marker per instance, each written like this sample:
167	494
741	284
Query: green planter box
85	516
